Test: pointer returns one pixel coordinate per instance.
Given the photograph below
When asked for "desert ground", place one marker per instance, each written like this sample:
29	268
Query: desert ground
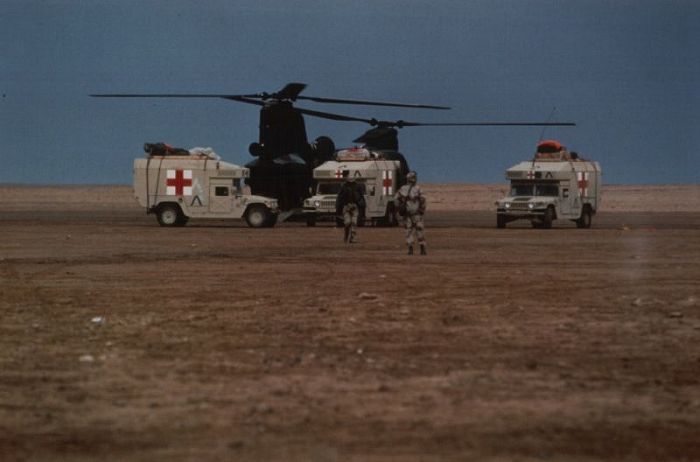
121	340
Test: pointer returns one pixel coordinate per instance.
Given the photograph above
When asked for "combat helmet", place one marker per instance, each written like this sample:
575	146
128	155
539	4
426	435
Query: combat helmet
411	177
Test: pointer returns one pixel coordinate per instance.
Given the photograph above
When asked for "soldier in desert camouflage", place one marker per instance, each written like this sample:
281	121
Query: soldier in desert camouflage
411	206
350	204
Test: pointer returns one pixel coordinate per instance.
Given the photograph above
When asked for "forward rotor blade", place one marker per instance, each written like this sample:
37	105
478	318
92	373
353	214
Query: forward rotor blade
369	103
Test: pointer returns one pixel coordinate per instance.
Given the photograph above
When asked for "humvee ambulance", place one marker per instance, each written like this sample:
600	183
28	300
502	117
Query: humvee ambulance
378	177
197	184
556	184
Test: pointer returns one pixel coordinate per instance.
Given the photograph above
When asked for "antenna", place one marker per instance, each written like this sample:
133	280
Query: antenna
551	114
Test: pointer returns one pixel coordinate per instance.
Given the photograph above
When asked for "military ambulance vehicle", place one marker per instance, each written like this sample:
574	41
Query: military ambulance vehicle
379	178
556	184
177	184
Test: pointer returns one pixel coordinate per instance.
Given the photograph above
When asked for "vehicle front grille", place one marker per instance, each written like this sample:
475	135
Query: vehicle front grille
518	206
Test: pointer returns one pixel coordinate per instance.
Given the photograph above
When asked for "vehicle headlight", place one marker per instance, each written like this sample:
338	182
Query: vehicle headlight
531	205
317	204
507	205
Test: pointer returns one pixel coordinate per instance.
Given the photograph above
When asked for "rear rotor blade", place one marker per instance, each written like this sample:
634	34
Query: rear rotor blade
290	91
331	116
401	123
368	103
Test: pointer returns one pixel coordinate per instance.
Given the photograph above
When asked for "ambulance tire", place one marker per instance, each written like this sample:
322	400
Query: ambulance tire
257	216
501	221
548	217
389	218
171	215
586	218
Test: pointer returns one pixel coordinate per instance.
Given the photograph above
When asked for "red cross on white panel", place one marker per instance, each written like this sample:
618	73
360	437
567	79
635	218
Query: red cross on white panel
582	183
338	173
388	182
178	183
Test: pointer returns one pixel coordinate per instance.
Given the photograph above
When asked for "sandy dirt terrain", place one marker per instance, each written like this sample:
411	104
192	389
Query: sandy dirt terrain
121	340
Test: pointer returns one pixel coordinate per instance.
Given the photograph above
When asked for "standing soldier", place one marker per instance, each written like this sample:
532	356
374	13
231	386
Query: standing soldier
349	204
411	204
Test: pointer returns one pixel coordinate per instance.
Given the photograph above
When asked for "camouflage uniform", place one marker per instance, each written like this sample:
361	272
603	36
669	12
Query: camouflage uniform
350	203
412	198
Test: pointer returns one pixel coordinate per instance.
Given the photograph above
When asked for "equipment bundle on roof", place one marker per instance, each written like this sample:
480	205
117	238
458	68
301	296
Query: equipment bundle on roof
163	149
554	150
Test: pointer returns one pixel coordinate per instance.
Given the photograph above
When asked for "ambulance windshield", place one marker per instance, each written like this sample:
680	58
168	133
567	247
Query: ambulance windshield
534	189
330	187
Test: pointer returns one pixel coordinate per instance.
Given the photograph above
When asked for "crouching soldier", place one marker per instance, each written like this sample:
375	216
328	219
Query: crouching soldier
411	206
349	204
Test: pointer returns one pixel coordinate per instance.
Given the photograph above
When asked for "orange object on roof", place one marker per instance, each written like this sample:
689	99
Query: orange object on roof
549	146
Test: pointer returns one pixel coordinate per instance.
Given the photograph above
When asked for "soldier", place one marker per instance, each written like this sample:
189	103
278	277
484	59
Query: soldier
411	203
349	204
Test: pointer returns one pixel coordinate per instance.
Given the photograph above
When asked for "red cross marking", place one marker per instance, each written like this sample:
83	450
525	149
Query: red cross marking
582	182
338	173
179	182
530	175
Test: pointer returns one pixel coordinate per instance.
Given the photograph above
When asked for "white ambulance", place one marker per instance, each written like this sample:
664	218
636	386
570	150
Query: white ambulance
555	184
378	177
177	185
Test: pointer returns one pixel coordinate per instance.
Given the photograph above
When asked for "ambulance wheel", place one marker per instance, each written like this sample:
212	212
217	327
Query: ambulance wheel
389	218
257	216
501	221
170	215
548	217
586	218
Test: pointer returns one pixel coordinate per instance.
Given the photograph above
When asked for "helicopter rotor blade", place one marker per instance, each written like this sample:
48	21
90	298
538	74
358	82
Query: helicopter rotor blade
331	116
290	91
402	123
368	103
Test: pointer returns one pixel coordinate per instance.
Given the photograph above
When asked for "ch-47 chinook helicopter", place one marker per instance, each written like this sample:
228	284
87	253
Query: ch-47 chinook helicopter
284	158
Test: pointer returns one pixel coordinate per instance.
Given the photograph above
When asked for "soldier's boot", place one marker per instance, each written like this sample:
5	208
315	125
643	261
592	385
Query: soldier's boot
410	250
347	234
422	250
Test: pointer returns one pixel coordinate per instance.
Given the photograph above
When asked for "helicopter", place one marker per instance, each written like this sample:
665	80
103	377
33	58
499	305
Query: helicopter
284	158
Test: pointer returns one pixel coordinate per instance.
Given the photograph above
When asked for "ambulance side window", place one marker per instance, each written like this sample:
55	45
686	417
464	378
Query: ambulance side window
221	191
371	190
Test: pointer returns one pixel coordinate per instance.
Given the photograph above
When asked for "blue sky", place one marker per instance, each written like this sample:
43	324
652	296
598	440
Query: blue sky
627	72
